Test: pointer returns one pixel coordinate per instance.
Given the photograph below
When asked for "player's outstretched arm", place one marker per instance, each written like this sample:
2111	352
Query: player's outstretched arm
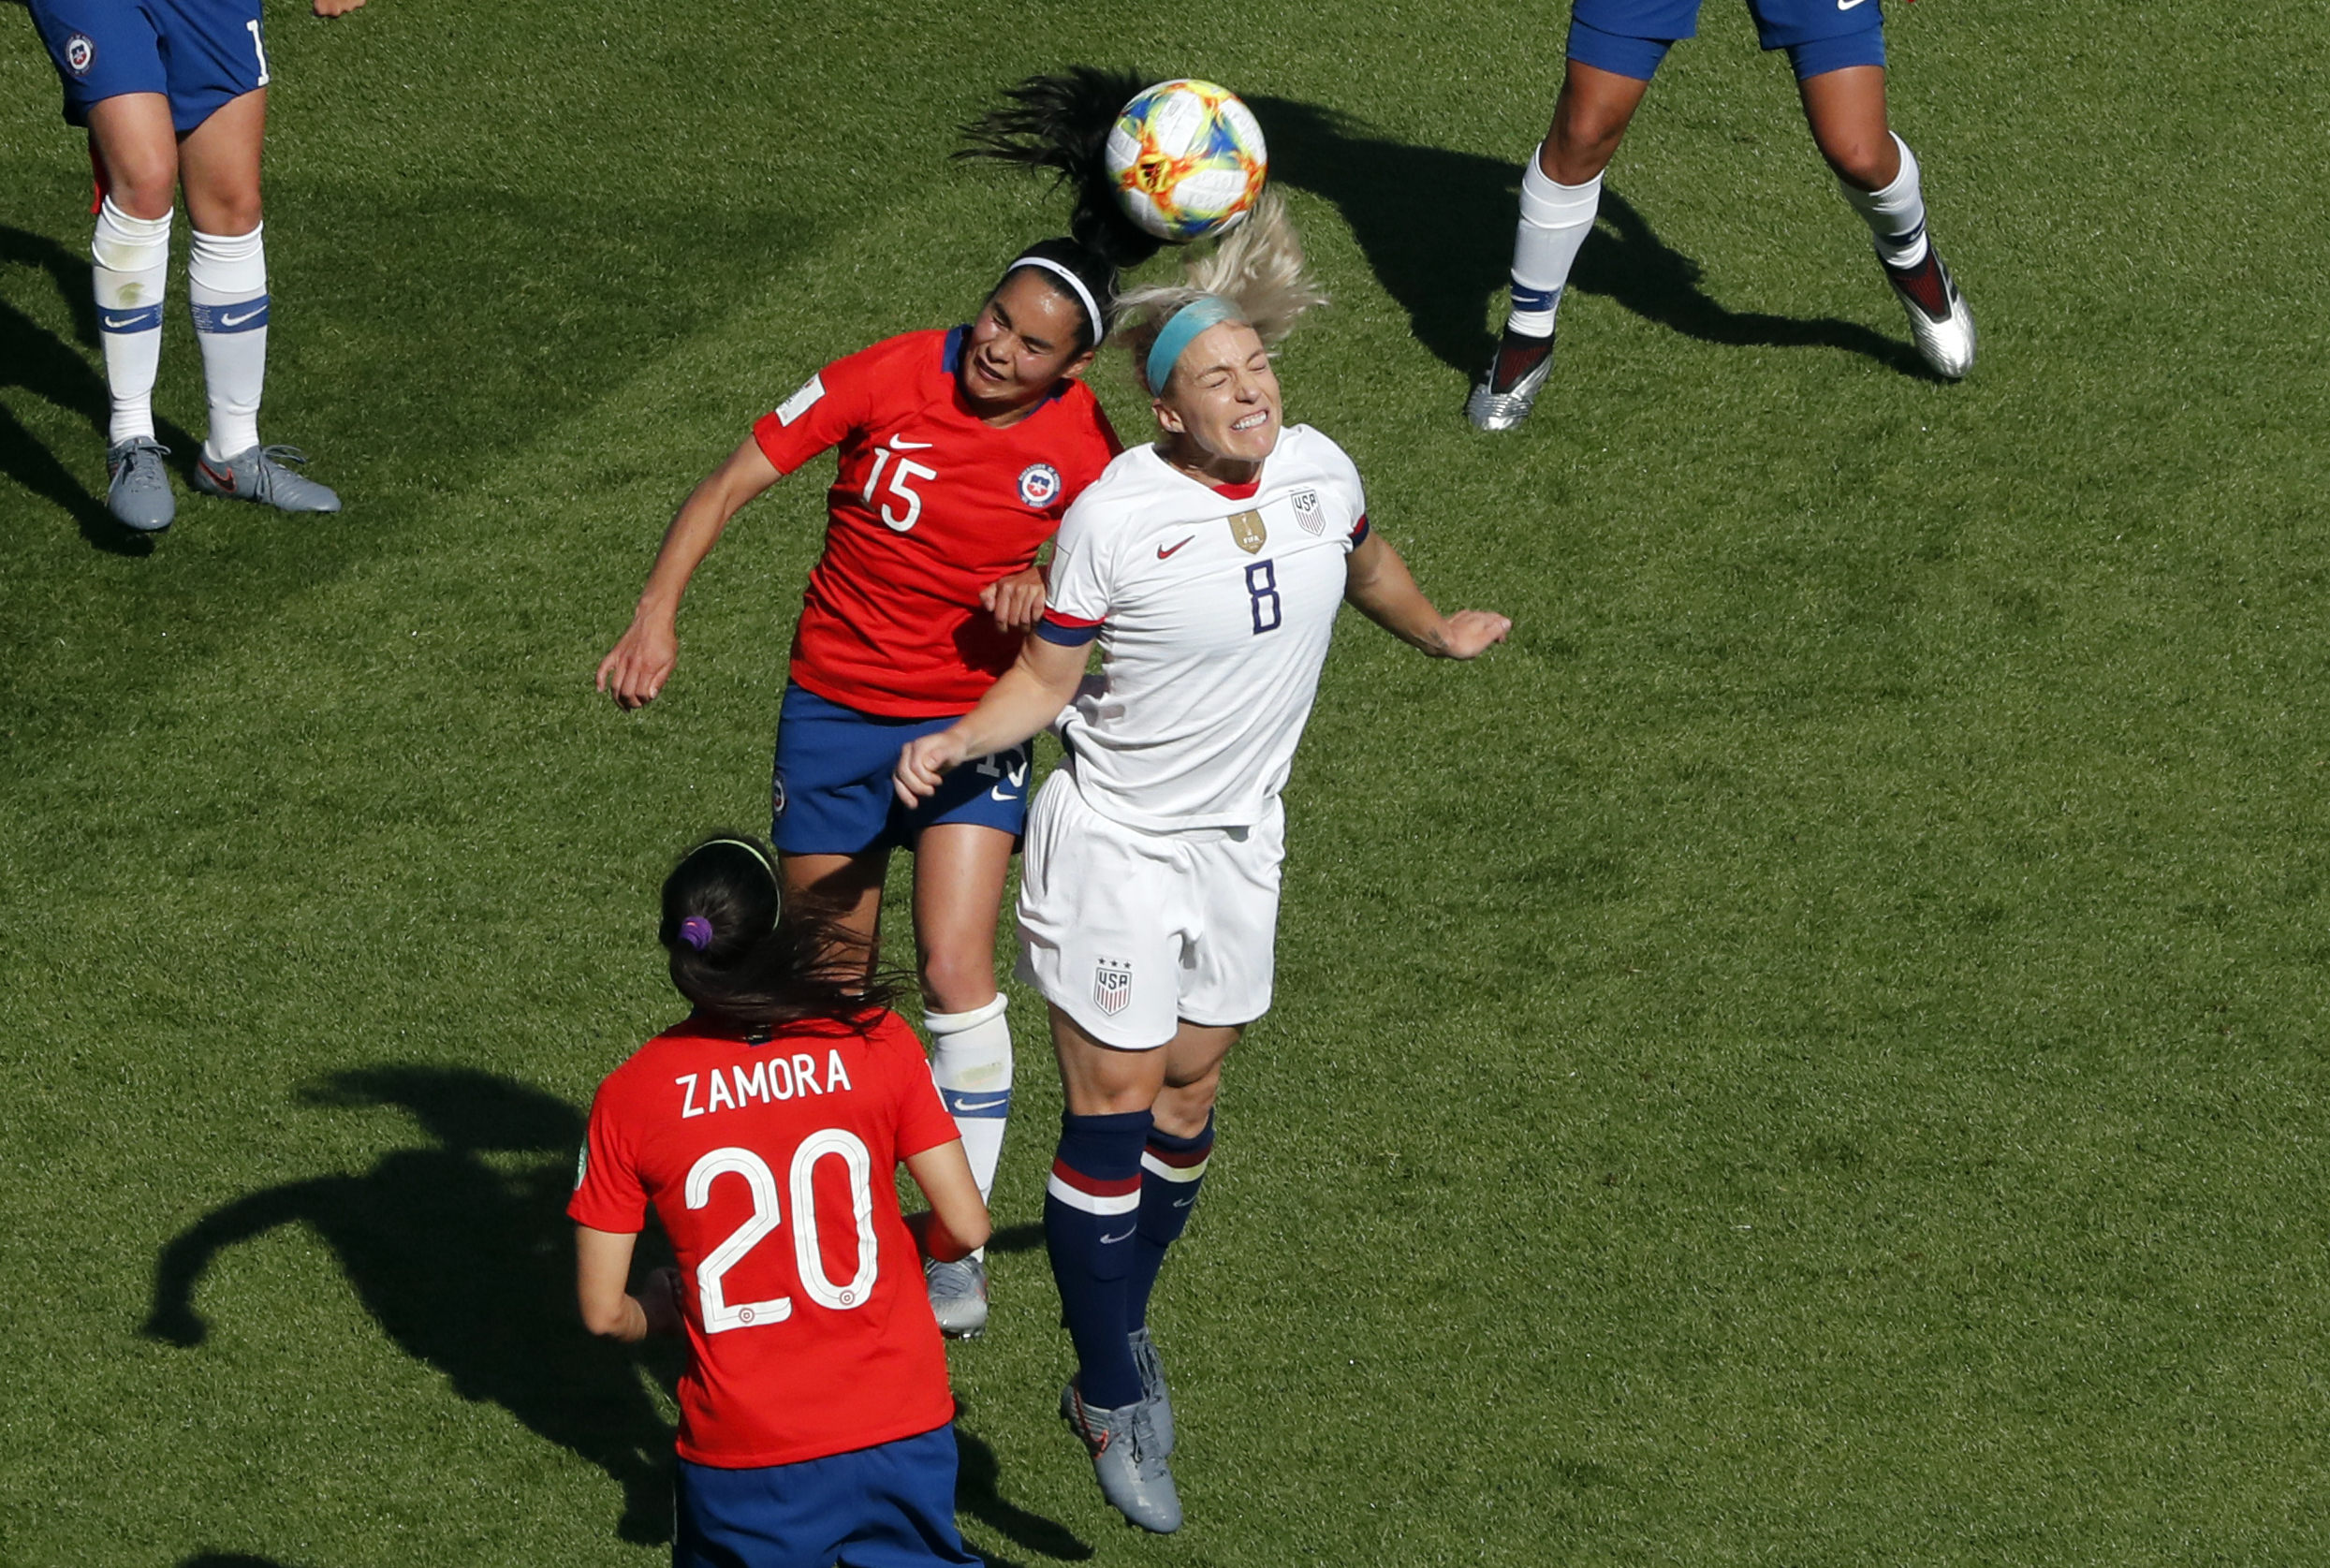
1029	696
187	1258
602	1288
634	671
1379	584
957	1221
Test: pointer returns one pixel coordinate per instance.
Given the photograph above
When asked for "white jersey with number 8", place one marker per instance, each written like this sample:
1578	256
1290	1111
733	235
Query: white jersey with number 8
1214	610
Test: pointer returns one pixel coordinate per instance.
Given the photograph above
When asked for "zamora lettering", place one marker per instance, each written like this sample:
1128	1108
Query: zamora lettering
772	1078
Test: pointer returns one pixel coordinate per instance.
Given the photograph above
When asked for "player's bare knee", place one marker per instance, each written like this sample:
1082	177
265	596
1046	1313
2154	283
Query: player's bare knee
1580	144
958	982
1868	163
142	186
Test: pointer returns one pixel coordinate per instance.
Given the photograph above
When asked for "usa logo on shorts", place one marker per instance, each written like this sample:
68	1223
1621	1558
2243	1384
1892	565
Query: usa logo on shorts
1039	484
1112	986
1306	511
80	52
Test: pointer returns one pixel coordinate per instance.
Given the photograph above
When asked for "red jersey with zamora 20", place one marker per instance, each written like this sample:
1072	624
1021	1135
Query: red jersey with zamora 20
769	1166
929	505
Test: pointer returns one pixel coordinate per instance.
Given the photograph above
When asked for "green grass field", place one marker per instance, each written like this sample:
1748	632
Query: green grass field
1813	1055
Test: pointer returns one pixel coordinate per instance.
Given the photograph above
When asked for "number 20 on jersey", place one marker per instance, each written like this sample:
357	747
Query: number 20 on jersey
721	1315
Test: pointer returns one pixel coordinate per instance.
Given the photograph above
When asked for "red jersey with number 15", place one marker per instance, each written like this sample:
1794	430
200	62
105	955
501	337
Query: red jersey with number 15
770	1168
929	505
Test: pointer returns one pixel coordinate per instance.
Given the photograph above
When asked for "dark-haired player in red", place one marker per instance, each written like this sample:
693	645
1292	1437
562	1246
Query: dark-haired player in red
763	1130
958	452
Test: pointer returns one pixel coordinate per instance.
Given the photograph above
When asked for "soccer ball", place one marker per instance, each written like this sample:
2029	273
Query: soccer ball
1188	159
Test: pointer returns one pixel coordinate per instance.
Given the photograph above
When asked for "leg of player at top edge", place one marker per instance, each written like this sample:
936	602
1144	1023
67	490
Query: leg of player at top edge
174	97
1615	47
1210	565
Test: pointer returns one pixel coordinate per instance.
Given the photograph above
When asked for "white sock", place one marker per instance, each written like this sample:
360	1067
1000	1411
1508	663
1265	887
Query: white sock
227	279
132	257
971	1064
1555	219
1897	214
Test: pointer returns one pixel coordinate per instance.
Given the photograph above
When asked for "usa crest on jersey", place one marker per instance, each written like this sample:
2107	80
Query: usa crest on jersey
1039	484
1112	986
1307	512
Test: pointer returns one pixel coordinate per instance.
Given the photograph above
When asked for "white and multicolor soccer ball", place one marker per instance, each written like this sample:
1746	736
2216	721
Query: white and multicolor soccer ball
1188	159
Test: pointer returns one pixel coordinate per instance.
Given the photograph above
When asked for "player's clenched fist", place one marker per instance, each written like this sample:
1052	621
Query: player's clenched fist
634	671
923	762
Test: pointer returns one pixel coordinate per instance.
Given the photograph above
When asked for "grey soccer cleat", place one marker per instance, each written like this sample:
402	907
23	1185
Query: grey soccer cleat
258	474
1940	321
1153	1391
136	489
957	1296
1127	1460
1516	376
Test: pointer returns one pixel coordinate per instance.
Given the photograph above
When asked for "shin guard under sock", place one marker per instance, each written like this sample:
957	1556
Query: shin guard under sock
970	1064
1092	1209
1173	1168
132	257
226	282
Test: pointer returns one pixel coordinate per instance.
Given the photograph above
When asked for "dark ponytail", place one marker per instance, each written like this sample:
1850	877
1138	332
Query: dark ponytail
1061	124
745	960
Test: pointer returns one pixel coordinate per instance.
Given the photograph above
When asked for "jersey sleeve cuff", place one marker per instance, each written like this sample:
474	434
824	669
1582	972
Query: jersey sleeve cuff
1359	532
777	445
1069	631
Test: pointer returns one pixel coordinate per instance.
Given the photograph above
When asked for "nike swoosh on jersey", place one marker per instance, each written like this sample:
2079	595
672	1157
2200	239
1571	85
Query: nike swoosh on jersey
1847	5
900	444
1162	551
239	320
1126	1237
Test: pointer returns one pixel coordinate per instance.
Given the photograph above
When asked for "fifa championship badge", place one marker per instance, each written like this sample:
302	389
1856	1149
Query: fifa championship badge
1247	529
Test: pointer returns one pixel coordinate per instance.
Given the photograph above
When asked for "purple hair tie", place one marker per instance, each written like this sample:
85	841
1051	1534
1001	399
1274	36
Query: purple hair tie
696	933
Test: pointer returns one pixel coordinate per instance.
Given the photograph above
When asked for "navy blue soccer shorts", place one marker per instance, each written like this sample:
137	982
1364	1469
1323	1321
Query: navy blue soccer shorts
887	1507
831	790
198	53
1632	37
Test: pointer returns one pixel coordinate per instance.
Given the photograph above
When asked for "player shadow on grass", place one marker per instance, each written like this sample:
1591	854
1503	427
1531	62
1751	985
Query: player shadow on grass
466	1262
1437	228
38	361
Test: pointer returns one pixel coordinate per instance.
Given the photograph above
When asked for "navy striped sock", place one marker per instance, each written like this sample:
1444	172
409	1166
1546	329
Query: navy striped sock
1091	1208
1173	1168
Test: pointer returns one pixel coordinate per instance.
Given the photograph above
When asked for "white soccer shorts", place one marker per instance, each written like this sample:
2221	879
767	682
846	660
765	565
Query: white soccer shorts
1128	932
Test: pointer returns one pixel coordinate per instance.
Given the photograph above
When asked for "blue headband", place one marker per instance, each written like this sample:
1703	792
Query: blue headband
1207	310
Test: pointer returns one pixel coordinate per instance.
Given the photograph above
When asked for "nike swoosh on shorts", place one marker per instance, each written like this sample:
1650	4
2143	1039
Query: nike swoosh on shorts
1126	1237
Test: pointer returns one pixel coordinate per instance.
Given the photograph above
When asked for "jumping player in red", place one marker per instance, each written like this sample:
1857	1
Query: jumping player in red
815	1414
960	451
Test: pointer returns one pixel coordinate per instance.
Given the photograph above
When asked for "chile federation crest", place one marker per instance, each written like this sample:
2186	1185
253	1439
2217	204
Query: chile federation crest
1039	484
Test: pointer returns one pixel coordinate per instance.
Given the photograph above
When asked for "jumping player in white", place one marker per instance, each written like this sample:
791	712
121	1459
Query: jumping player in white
1210	565
1615	47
